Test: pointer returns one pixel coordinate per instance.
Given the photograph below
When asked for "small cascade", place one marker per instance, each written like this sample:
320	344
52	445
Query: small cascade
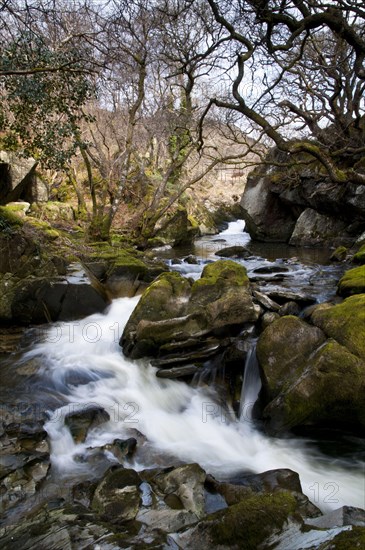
251	385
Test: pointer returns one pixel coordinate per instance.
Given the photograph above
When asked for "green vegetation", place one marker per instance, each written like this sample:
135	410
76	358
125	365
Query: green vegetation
353	282
359	257
246	525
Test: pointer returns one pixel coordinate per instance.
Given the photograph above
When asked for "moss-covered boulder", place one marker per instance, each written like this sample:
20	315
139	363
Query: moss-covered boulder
353	282
359	257
283	350
175	309
329	388
245	525
315	374
120	271
178	228
345	322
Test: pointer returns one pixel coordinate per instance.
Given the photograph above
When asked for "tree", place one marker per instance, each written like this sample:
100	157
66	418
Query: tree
46	63
309	59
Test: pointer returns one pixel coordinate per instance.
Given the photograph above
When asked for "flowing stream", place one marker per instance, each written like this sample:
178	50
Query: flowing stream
82	363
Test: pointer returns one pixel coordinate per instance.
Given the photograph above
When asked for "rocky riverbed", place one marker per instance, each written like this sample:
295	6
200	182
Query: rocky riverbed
99	452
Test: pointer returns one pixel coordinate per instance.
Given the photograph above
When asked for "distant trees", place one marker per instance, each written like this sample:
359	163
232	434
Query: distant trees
131	90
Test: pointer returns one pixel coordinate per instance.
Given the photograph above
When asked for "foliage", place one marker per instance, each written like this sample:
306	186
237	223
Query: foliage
40	110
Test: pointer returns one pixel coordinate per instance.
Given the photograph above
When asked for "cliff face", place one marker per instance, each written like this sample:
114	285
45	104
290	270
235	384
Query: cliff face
302	208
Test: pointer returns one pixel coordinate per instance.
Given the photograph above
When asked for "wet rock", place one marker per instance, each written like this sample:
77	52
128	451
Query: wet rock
281	296
353	282
265	301
283	348
315	229
268	318
80	422
168	521
346	515
187	484
117	496
177	310
244	525
178	372
44	300
122	448
339	255
239	252
191	260
290	308
271	269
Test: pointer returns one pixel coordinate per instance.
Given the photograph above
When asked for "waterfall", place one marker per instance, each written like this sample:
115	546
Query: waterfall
178	420
251	385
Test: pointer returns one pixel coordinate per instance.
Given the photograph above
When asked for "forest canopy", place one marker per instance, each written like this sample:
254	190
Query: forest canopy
132	90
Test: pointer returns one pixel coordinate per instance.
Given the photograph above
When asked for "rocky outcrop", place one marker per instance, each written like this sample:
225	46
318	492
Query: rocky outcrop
315	229
176	315
304	208
19	181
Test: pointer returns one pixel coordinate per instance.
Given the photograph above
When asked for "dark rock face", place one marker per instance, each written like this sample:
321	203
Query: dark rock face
44	300
312	211
80	422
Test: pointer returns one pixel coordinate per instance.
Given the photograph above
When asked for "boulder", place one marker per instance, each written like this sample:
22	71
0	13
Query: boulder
80	422
345	322
267	217
43	300
175	310
282	351
244	525
315	229
329	388
234	252
117	497
353	282
359	257
18	177
178	229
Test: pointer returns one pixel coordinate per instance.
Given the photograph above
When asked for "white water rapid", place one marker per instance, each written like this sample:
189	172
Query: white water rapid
177	419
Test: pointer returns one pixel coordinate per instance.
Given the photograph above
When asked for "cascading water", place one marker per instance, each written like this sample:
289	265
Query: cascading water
178	420
251	385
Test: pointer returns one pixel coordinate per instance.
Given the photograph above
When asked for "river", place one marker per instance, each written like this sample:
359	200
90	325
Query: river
80	363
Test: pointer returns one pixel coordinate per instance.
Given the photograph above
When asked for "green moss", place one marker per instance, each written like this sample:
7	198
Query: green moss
353	282
9	218
359	257
221	272
247	524
345	323
339	254
347	540
332	387
52	234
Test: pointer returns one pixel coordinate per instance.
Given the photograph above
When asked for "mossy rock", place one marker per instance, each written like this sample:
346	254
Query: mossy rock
345	323
359	257
9	219
117	497
329	388
245	525
347	540
339	255
353	282
175	309
283	349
